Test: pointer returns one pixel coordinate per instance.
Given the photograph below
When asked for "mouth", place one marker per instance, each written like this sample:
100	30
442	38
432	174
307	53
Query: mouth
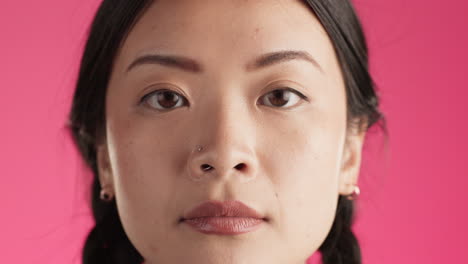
223	218
224	225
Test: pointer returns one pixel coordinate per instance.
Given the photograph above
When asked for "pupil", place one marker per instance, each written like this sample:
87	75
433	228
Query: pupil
168	96
279	96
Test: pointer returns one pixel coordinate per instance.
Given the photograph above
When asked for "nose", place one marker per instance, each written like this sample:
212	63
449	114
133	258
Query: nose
209	166
227	137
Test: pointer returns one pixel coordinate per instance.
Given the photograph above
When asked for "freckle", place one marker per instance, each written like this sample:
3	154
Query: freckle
153	248
256	33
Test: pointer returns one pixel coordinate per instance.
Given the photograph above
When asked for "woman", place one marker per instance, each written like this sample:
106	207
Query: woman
223	131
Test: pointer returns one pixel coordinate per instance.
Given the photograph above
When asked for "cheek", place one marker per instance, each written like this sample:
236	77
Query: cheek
139	155
307	182
143	179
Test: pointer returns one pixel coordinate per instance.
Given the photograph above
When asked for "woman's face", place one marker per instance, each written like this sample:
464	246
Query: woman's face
294	158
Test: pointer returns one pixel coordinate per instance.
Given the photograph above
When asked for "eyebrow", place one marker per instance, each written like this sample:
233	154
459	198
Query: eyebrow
192	66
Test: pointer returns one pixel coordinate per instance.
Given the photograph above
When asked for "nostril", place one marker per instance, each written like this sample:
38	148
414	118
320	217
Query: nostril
240	166
205	167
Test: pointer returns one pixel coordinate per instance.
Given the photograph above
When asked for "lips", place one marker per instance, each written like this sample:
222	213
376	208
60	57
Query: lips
223	218
222	209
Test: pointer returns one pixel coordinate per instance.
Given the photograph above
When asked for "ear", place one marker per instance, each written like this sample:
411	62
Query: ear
351	160
104	168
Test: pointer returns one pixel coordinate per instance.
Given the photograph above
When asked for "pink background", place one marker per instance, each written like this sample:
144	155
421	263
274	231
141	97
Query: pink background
411	209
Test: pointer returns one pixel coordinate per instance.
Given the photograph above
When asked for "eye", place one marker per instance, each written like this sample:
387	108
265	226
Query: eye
163	99
284	98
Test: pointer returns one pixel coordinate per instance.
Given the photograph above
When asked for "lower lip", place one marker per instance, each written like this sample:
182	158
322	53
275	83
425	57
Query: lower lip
224	225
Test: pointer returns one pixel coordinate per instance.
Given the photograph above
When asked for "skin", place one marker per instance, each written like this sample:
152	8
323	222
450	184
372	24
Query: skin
298	155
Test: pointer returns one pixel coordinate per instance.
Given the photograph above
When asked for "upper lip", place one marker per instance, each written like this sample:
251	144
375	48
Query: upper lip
218	209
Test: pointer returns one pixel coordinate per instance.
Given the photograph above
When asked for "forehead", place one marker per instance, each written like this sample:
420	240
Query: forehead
228	30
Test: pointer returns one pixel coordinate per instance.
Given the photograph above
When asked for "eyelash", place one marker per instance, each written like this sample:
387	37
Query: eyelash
145	97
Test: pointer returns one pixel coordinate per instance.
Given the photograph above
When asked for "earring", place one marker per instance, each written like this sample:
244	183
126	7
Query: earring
355	194
105	196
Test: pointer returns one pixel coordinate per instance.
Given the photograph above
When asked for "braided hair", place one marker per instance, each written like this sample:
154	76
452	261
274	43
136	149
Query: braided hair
107	242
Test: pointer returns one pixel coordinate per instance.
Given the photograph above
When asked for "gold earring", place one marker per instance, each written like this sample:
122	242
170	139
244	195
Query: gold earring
355	194
105	196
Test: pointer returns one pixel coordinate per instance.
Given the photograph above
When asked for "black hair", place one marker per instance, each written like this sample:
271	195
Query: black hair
107	242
